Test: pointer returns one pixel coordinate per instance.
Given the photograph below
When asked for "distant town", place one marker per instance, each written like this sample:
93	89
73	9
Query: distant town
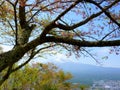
105	85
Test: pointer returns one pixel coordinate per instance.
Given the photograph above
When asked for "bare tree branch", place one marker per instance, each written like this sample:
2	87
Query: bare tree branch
91	56
15	19
106	11
11	27
68	9
64	27
108	34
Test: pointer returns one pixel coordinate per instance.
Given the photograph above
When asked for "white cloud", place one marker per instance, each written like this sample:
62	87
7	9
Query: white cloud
60	58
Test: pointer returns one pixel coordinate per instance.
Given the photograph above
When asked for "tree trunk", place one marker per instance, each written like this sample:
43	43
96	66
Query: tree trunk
10	57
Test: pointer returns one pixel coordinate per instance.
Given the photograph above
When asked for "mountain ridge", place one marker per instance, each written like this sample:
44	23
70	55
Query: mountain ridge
87	74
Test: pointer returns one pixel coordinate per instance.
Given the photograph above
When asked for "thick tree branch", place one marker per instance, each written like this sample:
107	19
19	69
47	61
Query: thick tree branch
82	43
10	57
22	14
48	29
10	70
23	64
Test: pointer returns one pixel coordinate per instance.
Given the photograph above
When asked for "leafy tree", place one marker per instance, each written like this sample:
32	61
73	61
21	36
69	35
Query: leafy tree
83	87
38	77
34	27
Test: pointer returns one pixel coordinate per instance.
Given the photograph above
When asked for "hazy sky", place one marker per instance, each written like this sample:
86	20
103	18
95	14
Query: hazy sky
113	60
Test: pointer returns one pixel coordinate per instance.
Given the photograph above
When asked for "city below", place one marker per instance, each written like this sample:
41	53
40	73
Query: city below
105	85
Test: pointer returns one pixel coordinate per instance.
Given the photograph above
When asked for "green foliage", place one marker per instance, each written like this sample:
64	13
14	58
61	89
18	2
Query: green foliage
83	87
38	77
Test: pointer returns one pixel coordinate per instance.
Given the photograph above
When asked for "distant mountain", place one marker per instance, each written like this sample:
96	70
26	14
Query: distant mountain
87	74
